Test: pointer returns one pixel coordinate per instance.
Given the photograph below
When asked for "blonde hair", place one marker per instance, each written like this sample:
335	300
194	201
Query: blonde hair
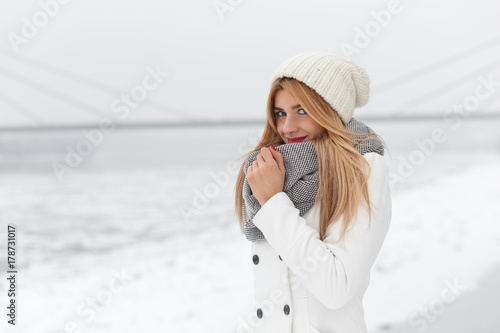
343	171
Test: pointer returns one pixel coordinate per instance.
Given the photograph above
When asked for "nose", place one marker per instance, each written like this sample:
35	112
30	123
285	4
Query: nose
290	126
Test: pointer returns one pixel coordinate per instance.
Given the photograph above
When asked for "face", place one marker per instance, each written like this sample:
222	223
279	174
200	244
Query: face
292	120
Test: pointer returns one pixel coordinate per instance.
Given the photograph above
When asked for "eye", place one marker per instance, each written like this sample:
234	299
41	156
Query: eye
277	114
303	110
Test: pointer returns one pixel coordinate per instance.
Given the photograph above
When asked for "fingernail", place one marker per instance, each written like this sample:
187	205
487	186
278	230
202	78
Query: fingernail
272	147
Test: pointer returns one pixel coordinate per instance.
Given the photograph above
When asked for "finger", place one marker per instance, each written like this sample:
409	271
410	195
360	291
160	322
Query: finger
260	157
279	159
266	154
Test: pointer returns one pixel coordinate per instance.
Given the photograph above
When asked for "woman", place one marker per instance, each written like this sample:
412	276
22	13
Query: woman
303	201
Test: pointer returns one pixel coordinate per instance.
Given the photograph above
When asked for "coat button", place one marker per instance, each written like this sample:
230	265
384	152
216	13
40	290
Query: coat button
280	258
286	309
255	259
259	313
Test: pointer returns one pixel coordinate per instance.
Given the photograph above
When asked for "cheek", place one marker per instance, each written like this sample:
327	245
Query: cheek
310	126
279	126
315	128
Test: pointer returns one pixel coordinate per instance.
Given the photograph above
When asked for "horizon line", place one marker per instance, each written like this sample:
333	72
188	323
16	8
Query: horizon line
221	123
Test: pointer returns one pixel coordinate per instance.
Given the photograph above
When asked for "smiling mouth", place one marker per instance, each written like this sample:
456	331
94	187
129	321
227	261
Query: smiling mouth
296	139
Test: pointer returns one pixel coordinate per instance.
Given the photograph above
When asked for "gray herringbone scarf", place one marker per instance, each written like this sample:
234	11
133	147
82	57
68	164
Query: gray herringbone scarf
301	176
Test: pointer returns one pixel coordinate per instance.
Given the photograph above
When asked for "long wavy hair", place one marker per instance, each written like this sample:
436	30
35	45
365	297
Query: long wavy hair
343	171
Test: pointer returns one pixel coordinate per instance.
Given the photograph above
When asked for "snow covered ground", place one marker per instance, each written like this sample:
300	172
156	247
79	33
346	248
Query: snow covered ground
439	268
113	250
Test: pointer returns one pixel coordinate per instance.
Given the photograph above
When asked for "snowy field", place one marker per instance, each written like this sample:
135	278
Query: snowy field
112	249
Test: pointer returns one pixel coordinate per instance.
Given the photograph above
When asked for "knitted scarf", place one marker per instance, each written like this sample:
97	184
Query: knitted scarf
301	175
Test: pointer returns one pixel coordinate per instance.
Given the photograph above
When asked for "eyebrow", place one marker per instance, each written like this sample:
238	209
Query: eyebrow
293	107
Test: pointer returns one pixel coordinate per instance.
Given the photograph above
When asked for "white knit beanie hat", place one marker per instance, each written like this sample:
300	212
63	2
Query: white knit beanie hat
342	83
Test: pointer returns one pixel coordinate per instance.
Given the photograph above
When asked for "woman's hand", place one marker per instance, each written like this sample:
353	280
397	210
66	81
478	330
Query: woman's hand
266	175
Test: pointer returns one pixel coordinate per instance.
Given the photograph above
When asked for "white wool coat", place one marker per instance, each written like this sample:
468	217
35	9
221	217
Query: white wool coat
305	285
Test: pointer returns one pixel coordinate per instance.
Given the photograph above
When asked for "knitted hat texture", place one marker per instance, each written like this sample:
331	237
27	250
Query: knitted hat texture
342	83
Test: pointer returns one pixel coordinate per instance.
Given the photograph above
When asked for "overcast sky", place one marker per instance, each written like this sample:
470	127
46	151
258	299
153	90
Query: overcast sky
72	63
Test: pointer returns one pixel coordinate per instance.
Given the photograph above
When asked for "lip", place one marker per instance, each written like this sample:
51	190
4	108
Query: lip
298	139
